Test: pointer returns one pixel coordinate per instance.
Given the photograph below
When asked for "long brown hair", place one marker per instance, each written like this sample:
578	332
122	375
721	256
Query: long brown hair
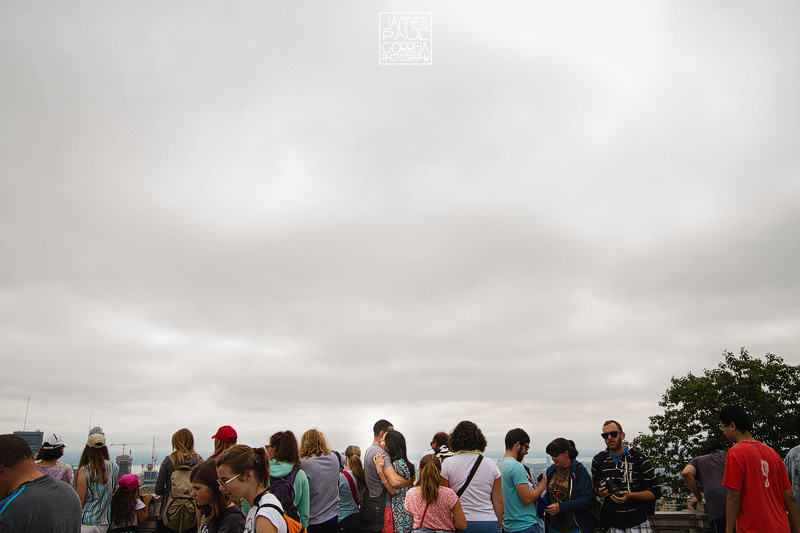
123	505
353	455
313	443
429	478
241	458
285	444
183	446
205	473
96	459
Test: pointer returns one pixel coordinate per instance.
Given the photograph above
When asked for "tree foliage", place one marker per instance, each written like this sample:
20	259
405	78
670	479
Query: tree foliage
766	388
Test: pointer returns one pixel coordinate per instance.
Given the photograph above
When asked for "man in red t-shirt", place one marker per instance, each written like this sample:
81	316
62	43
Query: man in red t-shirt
759	492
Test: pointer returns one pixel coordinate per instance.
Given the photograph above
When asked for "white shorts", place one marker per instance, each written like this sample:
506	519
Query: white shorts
94	529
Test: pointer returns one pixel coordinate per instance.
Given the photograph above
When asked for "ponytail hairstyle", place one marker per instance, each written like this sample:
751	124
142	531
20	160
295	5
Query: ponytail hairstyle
353	455
430	468
205	473
396	448
561	445
241	458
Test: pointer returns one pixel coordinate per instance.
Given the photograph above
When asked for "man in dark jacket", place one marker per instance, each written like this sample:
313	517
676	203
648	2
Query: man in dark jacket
624	477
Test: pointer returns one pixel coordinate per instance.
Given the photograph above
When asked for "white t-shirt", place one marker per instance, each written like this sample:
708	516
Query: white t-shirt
268	512
477	499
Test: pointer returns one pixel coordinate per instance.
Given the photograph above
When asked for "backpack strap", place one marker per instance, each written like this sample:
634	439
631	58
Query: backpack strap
292	475
471	475
283	514
352	484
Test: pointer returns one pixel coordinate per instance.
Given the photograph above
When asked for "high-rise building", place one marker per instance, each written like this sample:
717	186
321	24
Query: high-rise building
33	438
125	463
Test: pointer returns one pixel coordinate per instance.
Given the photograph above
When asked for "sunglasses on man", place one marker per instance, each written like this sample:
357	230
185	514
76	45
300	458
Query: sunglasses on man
612	434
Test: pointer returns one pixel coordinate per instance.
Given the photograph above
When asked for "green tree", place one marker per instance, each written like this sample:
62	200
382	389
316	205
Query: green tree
768	389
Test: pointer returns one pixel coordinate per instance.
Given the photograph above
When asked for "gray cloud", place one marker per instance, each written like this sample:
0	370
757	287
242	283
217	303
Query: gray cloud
235	216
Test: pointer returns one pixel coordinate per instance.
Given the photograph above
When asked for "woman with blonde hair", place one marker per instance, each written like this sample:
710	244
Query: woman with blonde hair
322	466
183	454
243	473
95	481
433	507
352	484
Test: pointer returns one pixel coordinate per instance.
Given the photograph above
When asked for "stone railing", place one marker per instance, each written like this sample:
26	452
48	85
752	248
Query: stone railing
663	521
155	507
680	522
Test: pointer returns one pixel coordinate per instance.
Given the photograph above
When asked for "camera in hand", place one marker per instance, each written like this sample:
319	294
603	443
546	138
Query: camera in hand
611	485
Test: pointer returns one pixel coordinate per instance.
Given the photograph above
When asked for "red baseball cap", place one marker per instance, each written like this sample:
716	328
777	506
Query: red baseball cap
225	434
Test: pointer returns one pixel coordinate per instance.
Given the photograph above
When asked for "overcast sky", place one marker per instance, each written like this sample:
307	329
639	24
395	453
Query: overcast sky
230	213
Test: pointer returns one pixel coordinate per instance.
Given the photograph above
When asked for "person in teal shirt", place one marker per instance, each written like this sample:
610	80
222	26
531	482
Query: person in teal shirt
519	495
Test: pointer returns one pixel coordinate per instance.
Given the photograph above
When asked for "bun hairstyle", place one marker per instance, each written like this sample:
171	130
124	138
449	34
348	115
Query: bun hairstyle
241	458
430	468
561	445
353	456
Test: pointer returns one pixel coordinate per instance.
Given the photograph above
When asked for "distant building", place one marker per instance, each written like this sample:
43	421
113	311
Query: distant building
667	505
125	463
96	429
33	438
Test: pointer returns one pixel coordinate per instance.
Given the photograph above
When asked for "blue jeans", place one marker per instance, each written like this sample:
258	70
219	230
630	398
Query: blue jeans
474	526
429	530
533	529
350	524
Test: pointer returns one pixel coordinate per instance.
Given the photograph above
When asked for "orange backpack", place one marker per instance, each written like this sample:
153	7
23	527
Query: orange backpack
292	525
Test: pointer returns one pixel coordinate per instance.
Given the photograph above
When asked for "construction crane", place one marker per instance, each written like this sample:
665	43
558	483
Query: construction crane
129	445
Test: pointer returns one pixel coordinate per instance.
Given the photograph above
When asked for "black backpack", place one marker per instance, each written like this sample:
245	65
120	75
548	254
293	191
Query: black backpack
283	489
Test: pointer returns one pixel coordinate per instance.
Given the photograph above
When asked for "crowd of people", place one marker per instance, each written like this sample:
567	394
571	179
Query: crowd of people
291	487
